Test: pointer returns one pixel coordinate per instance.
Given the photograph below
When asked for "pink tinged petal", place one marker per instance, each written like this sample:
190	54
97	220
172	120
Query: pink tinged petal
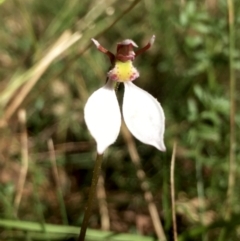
143	116
102	116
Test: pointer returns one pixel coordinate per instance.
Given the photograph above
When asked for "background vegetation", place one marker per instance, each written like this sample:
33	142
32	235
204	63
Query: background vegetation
48	69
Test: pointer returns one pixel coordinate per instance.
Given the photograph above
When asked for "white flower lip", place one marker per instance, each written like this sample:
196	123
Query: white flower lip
143	116
102	116
142	113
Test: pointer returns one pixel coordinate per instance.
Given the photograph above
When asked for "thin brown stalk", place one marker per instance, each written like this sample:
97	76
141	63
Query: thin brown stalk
24	159
232	155
173	192
144	185
121	16
101	197
91	197
57	181
232	123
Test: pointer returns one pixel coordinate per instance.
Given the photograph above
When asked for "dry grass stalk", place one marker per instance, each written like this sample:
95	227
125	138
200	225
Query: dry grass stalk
144	185
57	180
30	78
24	159
103	209
173	192
53	163
91	197
232	152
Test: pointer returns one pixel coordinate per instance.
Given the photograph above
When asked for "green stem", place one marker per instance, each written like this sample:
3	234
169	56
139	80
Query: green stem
200	192
232	155
91	197
62	206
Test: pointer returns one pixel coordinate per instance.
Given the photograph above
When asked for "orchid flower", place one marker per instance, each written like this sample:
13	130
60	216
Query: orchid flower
142	113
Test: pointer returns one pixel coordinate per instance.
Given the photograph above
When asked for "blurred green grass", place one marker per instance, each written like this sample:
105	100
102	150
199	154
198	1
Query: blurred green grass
187	70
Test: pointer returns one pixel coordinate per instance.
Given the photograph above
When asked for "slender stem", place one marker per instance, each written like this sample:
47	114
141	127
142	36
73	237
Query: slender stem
200	193
232	86
103	208
232	157
173	192
91	197
24	160
57	181
121	16
135	158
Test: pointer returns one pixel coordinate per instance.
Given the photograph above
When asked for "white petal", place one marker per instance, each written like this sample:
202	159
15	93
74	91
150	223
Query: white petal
143	116
102	116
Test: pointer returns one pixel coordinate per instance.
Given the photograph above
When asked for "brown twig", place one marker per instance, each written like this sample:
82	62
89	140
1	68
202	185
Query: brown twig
134	3
144	185
57	181
91	197
101	196
232	122
173	192
24	159
232	155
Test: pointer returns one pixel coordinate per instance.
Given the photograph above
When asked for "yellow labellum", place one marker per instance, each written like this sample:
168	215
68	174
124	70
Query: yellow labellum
123	71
